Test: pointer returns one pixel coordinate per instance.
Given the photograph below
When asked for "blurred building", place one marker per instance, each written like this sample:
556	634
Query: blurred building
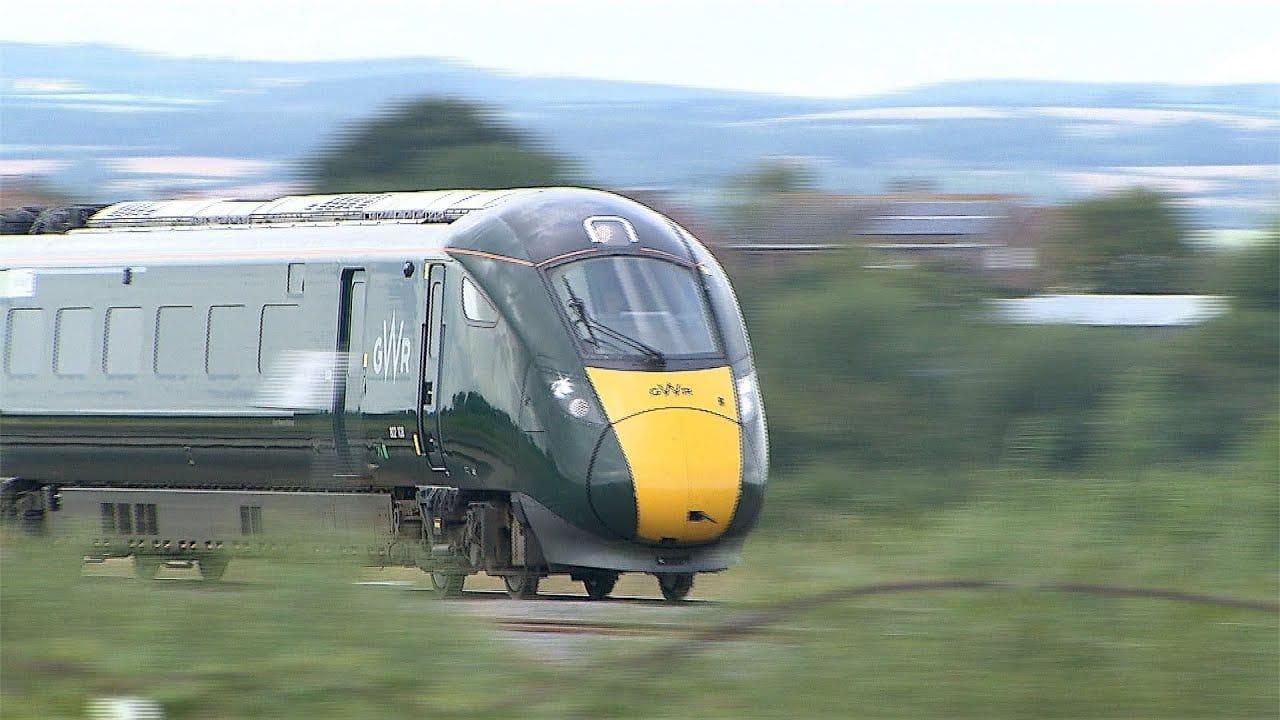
997	235
696	220
23	191
1111	310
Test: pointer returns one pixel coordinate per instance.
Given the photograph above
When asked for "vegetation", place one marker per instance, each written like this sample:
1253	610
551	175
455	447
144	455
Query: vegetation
901	373
295	638
754	195
298	640
772	176
1252	275
434	143
1127	242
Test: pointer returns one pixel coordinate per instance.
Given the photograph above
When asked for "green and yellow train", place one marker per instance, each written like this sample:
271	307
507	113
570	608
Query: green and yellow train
518	382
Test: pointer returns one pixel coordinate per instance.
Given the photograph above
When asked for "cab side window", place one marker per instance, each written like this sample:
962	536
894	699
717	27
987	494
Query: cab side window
477	308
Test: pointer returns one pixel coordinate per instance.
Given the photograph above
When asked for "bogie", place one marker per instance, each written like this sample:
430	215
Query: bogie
675	586
599	585
522	586
447	584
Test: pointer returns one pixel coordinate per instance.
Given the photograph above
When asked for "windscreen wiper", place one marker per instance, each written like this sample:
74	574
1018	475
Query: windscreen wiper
651	352
591	325
579	308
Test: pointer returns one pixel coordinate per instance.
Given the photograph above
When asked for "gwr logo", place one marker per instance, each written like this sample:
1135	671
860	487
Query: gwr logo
392	350
670	389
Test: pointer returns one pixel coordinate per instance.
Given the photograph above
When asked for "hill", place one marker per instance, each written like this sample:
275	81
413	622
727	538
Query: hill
109	123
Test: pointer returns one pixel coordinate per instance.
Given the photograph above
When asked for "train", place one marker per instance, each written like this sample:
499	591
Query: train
523	382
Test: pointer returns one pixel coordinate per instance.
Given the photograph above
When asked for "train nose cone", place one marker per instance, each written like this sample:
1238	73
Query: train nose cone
686	469
668	470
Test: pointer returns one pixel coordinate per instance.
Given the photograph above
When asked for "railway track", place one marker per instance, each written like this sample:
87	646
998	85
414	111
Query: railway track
587	627
481	595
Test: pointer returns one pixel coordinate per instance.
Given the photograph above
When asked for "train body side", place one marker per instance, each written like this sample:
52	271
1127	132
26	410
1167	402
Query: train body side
215	372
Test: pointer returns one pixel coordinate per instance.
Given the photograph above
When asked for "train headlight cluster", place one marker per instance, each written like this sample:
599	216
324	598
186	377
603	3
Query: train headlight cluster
573	397
562	388
579	408
748	391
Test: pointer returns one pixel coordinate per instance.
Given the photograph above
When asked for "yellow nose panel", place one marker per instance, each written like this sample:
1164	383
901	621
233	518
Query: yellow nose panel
682	448
627	392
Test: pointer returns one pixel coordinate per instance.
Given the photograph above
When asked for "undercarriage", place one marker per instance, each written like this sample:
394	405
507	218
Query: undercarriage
448	533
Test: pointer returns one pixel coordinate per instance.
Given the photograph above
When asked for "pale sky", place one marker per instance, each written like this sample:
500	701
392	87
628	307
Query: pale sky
799	47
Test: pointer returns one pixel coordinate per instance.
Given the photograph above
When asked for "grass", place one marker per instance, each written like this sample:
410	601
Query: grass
982	655
1027	653
298	639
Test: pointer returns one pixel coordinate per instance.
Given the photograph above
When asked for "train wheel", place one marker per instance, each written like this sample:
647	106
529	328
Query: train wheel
146	567
213	568
521	587
675	586
600	585
448	585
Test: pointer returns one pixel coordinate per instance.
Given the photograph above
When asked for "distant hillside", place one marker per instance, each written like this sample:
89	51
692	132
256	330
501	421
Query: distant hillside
112	123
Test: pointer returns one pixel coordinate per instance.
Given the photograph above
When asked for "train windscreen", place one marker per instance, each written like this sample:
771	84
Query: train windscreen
631	306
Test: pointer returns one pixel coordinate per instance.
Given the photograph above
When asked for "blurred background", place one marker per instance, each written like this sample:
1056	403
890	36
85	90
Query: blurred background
1011	273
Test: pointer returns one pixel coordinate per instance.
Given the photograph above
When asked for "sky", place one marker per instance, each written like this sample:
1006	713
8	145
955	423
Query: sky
796	47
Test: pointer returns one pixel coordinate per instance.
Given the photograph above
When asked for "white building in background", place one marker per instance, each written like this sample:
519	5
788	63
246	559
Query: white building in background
1111	310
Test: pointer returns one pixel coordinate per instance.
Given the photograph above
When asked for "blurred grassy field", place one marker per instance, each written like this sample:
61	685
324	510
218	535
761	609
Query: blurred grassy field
299	639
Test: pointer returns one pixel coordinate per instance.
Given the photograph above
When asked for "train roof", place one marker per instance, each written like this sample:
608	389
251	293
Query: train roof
429	206
526	226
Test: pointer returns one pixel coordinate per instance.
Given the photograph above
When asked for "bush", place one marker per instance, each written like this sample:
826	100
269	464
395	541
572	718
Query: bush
1253	274
872	377
1126	242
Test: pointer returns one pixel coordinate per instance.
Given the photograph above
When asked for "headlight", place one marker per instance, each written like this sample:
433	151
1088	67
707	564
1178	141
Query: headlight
579	408
748	391
574	396
562	387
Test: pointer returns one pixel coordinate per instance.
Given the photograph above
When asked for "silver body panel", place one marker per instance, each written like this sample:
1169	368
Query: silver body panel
216	516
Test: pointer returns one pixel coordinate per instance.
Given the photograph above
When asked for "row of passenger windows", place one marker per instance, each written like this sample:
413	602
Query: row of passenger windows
220	342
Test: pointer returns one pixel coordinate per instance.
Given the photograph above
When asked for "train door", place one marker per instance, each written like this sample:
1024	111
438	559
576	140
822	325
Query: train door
432	354
352	362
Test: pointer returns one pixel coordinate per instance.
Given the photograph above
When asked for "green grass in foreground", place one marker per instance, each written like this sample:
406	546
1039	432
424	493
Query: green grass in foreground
299	640
1020	653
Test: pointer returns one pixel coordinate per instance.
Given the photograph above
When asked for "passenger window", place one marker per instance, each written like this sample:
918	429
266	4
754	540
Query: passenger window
178	340
280	329
476	307
229	352
72	335
24	348
297	278
122	354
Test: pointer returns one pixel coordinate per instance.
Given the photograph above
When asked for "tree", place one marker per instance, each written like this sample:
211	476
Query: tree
1127	242
1253	276
432	144
774	175
755	195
